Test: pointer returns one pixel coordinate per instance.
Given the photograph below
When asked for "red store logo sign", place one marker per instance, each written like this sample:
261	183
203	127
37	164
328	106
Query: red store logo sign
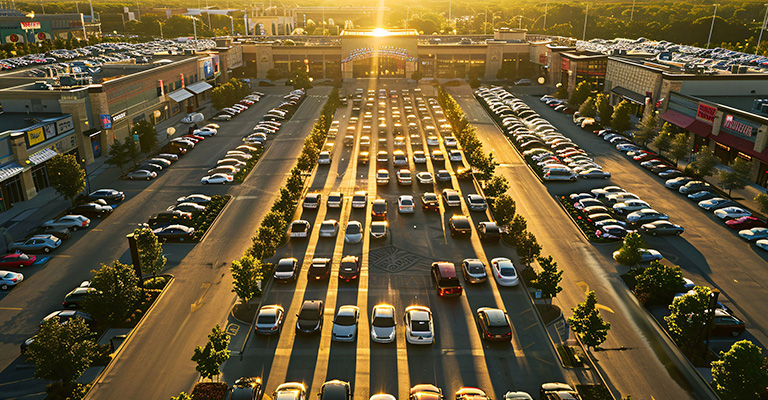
736	126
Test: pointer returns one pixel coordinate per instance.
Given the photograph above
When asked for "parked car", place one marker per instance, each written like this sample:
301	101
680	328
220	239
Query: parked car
445	279
662	228
71	222
419	328
727	324
37	243
476	202
75	298
489	231
17	260
345	324
61	233
383	324
246	388
218	178
504	271
493	324
320	269
286	270
746	222
175	232
110	195
269	320
142	174
335	390
94	210
290	391
349	269
459	225
310	316
9	279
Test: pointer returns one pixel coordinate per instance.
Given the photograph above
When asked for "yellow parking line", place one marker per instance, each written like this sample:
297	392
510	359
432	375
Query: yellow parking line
17	381
11	309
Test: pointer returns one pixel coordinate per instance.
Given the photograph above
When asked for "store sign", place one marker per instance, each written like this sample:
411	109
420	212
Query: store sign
118	116
64	125
106	121
566	63
542	58
706	112
208	68
737	126
49	131
30	25
216	65
35	136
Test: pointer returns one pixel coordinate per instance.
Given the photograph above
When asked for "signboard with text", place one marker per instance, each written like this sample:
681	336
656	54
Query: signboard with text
35	136
706	113
106	121
208	68
49	131
30	25
732	124
64	125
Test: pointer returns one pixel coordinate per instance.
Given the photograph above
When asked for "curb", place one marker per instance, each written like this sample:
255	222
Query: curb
128	339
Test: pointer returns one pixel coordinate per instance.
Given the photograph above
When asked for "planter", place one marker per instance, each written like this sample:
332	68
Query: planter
209	390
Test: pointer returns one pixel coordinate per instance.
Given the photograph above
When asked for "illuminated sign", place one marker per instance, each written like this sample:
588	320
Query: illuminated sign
736	126
30	25
35	136
706	112
118	116
208	68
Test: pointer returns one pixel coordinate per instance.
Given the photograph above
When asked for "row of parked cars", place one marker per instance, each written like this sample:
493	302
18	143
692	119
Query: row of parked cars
603	206
273	118
227	113
175	223
557	156
252	388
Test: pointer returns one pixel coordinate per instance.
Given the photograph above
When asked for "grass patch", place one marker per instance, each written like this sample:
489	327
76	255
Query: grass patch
572	357
594	392
201	222
581	222
249	165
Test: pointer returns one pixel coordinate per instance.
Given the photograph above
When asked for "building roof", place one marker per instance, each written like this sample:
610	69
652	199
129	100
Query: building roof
14	121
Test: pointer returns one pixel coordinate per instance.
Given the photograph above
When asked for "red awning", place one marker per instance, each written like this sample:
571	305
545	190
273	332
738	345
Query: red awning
742	145
677	118
700	128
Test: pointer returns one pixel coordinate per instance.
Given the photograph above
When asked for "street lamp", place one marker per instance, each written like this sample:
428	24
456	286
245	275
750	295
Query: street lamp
586	14
194	24
711	27
232	22
87	181
762	28
161	29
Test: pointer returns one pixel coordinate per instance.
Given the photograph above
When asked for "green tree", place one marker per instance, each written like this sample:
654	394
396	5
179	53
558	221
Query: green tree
116	293
147	135
604	109
762	202
548	280
504	209
647	129
182	396
496	186
620	120
219	339
118	155
688	320
663	141
739	373
679	148
581	93
704	164
300	79
151	256
562	90
658	283
132	150
215	353
517	228
528	248
247	275
66	175
629	254
588	108
588	323
736	176
62	352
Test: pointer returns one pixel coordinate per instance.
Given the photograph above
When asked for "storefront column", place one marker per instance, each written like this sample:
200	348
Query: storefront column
28	184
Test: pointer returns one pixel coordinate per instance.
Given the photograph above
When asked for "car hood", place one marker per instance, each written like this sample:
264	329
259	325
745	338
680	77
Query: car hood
307	325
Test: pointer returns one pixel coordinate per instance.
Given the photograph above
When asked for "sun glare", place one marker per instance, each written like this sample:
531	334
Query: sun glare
379	32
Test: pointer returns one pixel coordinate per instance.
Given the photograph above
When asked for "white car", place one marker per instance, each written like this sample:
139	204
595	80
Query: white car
454	155
404	177
594	173
646	255
451	198
360	199
353	233
269	320
419	157
754	233
8	279
329	228
763	244
504	271
205	132
142	174
217	179
193	118
732	213
383	325
335	200
712	203
312	200
73	222
405	204
231	161
345	324
425	177
630	205
299	229
324	157
290	391
433	141
450	141
419	328
379	229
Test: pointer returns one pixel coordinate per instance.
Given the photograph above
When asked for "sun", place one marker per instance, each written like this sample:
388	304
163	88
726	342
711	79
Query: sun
379	32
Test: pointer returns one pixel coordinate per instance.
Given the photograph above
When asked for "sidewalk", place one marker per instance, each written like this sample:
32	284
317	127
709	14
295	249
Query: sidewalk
47	204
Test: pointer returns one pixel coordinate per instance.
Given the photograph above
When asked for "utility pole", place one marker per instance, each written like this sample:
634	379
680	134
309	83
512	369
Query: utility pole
546	8
485	24
161	29
586	14
711	27
632	13
760	37
194	26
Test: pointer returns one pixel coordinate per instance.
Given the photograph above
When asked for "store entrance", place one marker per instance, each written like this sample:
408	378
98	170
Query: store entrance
378	67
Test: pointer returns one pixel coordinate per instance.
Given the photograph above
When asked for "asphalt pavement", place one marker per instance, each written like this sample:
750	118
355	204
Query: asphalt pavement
395	270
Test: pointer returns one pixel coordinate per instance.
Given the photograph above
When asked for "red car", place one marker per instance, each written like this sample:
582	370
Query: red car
644	156
745	223
17	260
195	137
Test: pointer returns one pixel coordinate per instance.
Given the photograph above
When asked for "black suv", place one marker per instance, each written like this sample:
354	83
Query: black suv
336	390
310	316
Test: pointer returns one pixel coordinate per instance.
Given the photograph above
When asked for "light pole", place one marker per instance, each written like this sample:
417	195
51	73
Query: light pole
762	28
194	25
232	24
711	27
161	29
586	15
546	8
632	13
87	181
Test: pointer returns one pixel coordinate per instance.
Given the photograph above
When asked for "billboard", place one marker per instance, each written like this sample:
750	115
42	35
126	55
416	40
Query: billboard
705	112
64	125
208	68
35	136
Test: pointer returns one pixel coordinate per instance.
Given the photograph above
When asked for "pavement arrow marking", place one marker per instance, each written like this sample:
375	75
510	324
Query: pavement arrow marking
199	303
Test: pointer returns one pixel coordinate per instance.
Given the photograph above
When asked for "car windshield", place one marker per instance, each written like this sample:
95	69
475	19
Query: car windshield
475	269
379	207
378	228
507	271
284	267
383	322
308	313
266	319
9	275
345	320
406	202
353	229
430	197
